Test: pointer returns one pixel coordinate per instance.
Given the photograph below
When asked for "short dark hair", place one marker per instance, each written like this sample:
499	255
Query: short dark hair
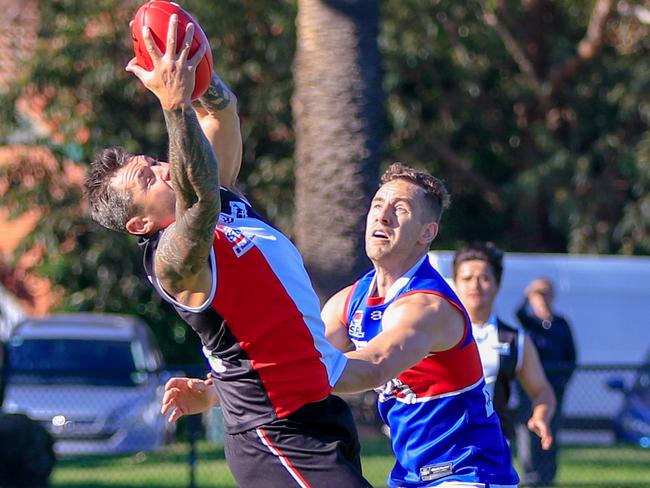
434	189
481	251
109	207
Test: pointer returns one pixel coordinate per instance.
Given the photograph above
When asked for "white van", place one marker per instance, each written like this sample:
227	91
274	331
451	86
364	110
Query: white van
606	300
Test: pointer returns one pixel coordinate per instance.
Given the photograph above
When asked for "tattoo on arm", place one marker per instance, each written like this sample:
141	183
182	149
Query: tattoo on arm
185	246
217	97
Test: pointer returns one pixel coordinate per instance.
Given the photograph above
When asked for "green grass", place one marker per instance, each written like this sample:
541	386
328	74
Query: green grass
580	467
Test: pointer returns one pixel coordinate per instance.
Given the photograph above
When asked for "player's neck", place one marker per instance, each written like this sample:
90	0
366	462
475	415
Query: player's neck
387	272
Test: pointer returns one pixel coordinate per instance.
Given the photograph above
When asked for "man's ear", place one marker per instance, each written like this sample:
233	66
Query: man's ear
429	232
139	226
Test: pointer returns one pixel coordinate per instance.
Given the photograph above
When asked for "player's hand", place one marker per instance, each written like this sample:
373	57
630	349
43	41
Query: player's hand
543	430
188	396
172	76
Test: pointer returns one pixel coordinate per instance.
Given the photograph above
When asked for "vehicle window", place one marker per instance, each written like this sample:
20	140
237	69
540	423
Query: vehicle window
71	361
138	355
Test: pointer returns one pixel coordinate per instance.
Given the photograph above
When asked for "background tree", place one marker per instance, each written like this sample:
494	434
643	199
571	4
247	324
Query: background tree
75	98
536	113
338	107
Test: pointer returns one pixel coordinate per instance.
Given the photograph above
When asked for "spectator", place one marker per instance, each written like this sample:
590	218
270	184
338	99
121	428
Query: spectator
552	336
506	352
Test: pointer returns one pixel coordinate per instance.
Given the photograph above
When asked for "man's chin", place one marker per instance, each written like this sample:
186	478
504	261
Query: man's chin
375	253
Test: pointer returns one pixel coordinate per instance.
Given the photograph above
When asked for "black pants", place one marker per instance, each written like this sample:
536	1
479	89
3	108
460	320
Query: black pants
317	446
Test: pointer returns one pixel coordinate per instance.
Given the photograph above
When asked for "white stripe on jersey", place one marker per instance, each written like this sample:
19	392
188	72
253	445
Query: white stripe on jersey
208	300
436	397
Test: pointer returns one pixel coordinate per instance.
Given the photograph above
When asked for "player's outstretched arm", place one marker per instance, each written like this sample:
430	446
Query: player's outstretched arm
188	396
532	378
217	113
413	327
183	251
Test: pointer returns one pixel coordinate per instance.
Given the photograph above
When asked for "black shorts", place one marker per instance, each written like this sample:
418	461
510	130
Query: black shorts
316	446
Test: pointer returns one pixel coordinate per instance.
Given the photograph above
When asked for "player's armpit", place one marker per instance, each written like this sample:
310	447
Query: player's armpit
182	261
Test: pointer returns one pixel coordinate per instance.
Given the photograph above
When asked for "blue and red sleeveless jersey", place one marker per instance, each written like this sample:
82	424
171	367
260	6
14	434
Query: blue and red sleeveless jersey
260	326
442	423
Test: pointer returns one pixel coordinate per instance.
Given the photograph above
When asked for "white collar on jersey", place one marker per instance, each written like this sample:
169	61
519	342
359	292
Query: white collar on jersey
481	331
400	283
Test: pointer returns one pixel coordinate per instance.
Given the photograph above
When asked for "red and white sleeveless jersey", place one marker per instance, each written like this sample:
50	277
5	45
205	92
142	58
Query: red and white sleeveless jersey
260	327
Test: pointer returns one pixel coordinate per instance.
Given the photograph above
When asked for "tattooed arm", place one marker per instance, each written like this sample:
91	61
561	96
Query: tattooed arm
184	248
217	113
181	261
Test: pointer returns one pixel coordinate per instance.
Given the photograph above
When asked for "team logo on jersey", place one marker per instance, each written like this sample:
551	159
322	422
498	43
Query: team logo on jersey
430	473
225	219
355	330
396	388
241	243
238	210
503	348
216	363
376	315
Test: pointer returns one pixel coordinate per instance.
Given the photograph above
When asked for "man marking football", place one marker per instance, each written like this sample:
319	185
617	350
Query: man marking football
413	339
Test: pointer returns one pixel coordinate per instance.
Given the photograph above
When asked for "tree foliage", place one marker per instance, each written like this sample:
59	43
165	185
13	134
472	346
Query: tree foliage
535	112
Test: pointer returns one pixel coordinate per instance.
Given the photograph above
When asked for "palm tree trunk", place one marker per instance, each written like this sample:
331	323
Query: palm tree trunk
338	113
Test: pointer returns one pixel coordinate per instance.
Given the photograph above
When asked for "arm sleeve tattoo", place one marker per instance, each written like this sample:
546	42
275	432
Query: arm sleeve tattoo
185	245
217	97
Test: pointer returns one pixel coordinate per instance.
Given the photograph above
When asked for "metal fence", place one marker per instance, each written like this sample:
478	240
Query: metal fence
110	433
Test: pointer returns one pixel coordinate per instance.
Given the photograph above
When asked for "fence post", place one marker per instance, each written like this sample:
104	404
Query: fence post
193	432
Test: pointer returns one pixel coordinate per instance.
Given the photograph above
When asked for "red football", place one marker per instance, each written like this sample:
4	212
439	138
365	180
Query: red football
156	16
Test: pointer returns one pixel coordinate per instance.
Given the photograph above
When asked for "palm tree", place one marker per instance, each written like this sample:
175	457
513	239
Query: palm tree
337	107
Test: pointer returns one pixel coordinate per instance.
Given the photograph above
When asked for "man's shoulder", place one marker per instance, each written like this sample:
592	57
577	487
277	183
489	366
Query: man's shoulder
422	305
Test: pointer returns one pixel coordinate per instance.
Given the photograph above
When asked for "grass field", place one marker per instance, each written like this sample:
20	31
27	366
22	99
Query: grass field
581	467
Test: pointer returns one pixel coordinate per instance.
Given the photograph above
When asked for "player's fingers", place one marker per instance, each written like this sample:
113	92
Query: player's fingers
170	394
135	68
167	405
187	43
170	400
170	48
196	385
176	414
546	436
547	442
149	44
131	23
176	382
197	56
